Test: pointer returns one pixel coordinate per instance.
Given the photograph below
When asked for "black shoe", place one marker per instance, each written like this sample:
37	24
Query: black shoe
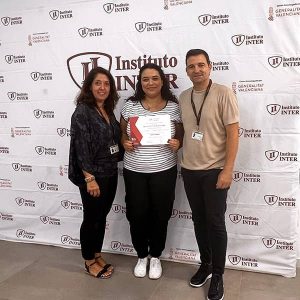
216	289
201	276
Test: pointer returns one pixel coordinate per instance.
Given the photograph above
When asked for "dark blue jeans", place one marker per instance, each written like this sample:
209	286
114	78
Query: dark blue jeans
208	206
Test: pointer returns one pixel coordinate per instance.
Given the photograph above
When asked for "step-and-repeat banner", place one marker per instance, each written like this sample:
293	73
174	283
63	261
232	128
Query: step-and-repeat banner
46	50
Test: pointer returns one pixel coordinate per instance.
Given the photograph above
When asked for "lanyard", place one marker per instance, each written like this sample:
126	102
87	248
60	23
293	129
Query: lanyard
198	117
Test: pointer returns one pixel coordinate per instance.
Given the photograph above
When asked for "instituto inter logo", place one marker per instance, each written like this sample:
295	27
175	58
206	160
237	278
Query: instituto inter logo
57	14
6	21
115	7
40	114
145	26
280	201
272	243
66	204
16	59
277	60
21	167
79	65
46	151
24	234
242	261
206	19
17	96
44	186
68	240
273	155
250	133
25	202
248	177
50	220
35	76
287	109
239	39
90	32
121	247
244	220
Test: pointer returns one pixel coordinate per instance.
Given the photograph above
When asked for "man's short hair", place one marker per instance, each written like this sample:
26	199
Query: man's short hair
194	52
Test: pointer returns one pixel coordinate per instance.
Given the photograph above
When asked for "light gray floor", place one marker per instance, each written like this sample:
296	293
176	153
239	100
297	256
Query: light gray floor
36	272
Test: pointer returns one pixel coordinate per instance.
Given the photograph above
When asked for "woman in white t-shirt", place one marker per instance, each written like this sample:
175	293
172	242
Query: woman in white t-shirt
150	171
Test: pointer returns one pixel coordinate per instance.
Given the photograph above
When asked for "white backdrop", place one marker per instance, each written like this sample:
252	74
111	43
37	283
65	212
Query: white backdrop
47	47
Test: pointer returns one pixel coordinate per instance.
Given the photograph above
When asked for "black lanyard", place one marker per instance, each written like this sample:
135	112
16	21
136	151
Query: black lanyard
198	117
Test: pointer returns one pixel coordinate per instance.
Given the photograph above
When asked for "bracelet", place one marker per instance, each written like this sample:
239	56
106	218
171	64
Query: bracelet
89	179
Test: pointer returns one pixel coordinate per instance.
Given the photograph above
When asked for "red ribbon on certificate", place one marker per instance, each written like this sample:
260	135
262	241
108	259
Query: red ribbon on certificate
135	134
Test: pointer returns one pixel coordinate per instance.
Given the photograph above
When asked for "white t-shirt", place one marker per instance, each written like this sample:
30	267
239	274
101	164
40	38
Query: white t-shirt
154	158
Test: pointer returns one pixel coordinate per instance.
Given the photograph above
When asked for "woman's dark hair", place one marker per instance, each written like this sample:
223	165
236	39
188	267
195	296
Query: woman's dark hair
194	52
166	93
86	96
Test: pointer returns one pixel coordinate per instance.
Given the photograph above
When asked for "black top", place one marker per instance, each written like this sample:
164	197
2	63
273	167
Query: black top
91	139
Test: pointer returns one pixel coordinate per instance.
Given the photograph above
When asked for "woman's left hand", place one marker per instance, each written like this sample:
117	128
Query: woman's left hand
93	188
174	144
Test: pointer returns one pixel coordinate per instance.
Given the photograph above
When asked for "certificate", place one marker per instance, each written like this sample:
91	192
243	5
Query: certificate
150	130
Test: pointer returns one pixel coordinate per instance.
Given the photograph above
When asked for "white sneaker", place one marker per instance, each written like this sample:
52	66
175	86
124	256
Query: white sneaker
140	268
155	268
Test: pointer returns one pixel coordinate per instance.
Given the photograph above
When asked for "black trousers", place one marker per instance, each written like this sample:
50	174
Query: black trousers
95	210
208	206
149	203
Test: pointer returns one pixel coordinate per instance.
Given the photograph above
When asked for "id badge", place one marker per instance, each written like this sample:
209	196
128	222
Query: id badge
197	135
114	149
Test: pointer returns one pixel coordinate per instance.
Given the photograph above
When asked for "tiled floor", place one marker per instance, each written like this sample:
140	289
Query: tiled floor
36	272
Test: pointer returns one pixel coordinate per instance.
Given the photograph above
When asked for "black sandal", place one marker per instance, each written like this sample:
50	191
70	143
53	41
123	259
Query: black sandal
106	265
100	275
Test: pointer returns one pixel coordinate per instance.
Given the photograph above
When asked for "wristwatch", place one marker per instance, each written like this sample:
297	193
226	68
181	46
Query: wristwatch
89	179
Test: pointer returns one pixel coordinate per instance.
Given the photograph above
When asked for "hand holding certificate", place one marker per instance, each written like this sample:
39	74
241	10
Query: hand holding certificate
150	130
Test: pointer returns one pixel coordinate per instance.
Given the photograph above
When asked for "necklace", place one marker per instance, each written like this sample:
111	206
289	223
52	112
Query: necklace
102	113
156	106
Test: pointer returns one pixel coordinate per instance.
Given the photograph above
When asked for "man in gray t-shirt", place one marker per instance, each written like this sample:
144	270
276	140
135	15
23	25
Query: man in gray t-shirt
210	118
